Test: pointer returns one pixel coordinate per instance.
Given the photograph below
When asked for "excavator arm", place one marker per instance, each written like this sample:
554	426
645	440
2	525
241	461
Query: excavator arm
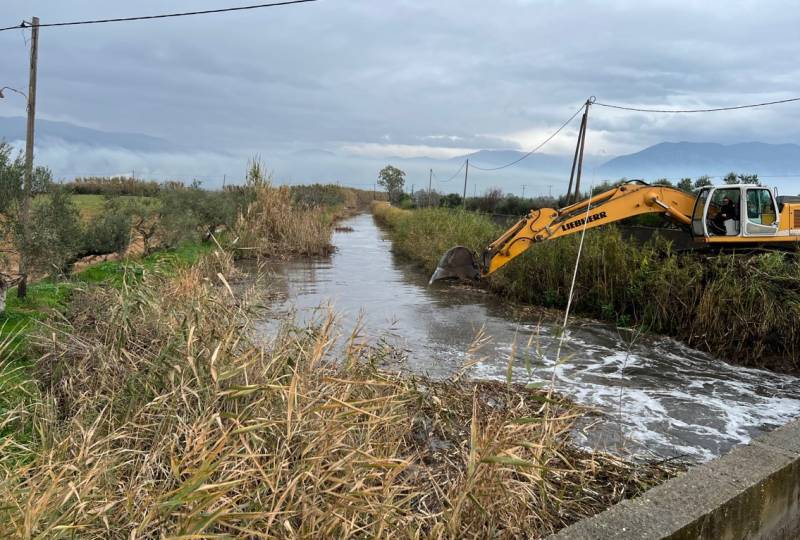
627	200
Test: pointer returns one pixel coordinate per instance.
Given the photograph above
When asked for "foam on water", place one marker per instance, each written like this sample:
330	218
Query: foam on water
657	396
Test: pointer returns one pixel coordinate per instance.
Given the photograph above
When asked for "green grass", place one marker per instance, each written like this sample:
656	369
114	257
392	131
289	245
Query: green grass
112	272
91	206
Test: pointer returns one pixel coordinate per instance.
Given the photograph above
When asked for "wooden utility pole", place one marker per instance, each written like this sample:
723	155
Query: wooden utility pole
523	190
25	208
466	174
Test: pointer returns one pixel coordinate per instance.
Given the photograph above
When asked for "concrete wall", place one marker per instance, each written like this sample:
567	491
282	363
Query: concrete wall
753	492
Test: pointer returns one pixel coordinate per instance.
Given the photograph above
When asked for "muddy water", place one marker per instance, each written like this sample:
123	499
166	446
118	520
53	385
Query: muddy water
656	397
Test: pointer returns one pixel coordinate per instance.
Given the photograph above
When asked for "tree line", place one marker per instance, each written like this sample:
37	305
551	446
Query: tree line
494	200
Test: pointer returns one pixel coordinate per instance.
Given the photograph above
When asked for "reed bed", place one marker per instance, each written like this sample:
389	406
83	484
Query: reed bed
742	307
158	415
272	225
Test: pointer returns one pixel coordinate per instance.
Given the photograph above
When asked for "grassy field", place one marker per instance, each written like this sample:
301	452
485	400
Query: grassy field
742	308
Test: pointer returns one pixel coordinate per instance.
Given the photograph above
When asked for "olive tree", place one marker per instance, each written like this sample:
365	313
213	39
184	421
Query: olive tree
685	184
733	178
392	180
703	181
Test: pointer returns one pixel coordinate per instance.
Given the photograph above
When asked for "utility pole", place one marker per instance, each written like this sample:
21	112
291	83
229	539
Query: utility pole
550	191
523	190
25	208
430	183
466	174
374	192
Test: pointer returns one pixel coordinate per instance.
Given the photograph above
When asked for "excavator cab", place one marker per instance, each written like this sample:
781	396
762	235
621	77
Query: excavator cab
746	211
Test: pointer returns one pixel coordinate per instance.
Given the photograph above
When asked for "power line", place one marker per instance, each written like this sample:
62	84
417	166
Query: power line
24	24
454	174
750	106
547	140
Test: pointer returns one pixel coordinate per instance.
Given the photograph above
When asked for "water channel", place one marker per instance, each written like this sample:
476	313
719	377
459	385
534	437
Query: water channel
657	397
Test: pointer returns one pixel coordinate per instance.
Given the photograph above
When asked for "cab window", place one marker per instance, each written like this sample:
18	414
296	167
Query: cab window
761	213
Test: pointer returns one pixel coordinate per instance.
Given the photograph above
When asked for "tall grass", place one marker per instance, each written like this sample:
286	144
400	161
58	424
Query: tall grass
160	416
271	225
744	308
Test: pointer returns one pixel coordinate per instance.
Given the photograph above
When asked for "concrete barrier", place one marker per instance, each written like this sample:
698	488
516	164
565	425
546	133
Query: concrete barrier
753	492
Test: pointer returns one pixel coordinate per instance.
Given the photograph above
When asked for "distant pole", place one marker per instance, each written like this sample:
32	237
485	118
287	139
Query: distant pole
224	178
550	191
466	175
374	192
22	288
430	183
133	174
523	190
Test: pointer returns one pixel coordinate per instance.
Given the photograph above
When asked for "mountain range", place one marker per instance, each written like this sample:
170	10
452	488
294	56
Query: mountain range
694	159
663	160
52	132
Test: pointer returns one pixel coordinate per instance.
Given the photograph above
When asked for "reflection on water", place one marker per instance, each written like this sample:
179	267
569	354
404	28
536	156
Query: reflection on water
657	396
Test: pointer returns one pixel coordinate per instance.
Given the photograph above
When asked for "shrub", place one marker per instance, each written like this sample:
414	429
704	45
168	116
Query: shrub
108	233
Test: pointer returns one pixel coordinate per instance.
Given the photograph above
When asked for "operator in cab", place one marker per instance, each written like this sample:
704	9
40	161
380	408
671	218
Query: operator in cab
726	218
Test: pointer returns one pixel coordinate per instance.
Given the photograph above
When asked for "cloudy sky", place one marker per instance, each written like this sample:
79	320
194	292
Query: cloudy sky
369	79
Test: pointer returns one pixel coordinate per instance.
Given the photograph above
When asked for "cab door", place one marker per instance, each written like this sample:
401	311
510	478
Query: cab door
760	212
699	213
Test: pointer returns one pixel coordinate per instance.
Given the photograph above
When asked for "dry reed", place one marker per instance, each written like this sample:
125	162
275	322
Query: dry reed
160	417
271	225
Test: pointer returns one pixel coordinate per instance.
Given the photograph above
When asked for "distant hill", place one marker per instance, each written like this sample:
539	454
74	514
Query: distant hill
49	132
674	160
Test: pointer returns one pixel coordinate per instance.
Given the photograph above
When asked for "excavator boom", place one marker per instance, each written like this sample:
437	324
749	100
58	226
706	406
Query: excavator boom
767	221
628	200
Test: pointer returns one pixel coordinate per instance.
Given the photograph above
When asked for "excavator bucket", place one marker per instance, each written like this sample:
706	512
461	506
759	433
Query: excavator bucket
458	263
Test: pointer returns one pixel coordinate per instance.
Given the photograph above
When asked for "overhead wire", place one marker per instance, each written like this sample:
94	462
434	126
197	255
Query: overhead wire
25	24
539	147
454	174
680	111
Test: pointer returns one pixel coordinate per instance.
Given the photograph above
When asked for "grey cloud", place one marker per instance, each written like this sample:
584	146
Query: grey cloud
348	71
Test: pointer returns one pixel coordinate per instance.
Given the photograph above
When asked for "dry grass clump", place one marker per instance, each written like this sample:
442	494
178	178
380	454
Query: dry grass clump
159	417
271	225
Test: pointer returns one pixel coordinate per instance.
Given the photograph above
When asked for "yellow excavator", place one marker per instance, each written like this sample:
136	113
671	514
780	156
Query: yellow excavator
729	216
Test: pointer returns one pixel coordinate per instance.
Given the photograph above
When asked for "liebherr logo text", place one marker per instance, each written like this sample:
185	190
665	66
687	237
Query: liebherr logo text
579	222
